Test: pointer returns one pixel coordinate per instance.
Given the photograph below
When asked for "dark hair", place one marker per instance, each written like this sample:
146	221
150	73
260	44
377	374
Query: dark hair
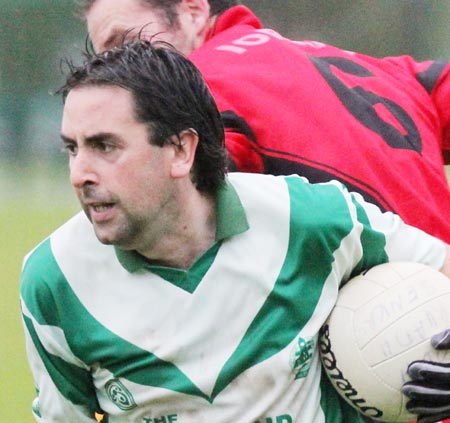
168	7
170	96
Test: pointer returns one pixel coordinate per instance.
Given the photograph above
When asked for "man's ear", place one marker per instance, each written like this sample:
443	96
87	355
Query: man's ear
198	13
184	153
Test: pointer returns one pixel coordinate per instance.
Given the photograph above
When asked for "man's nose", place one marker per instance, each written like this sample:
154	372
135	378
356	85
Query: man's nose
82	170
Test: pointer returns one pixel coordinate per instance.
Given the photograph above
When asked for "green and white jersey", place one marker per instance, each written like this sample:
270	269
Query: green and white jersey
233	339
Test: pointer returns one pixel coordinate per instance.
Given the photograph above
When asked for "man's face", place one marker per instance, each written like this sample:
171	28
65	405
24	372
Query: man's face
122	181
109	20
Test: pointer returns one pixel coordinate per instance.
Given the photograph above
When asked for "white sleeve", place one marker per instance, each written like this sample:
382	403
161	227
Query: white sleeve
404	242
50	406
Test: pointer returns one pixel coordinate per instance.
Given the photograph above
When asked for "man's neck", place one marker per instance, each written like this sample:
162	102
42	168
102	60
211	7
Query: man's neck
191	234
206	34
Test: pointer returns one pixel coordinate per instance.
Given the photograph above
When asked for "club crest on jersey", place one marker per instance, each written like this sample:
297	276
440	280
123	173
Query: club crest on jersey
120	395
302	357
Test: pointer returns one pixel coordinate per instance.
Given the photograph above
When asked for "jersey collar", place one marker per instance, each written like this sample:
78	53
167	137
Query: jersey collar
231	221
234	16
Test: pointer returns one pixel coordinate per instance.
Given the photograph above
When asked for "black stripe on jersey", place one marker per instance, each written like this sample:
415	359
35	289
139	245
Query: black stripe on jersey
319	172
295	164
235	123
429	77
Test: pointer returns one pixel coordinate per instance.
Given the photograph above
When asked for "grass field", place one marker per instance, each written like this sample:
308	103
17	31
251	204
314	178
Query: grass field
29	212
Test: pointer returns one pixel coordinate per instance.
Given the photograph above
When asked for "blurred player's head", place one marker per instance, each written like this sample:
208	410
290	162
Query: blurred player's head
170	97
169	6
183	23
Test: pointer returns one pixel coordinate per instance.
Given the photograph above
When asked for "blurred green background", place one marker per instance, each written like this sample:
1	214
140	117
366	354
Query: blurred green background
35	196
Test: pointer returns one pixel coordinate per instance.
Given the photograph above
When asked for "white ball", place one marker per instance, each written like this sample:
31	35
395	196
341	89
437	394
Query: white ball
383	320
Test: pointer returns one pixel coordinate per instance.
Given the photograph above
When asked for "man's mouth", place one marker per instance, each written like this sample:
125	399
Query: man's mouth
101	207
101	212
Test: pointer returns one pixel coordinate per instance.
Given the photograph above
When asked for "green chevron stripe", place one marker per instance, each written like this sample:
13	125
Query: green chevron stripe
299	285
336	410
41	300
373	243
120	357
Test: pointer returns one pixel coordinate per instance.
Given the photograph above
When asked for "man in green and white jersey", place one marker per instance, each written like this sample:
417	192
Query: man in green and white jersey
183	294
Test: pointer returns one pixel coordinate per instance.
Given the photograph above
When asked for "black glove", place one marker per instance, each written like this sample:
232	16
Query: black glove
429	388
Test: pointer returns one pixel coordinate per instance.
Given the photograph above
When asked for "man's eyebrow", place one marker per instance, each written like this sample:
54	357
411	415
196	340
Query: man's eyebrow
66	139
93	139
110	41
120	36
116	37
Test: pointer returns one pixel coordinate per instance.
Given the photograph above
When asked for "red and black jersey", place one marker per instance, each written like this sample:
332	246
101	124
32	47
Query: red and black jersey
379	125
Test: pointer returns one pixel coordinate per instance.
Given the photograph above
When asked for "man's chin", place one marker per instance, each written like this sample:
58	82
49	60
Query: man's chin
108	239
104	237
